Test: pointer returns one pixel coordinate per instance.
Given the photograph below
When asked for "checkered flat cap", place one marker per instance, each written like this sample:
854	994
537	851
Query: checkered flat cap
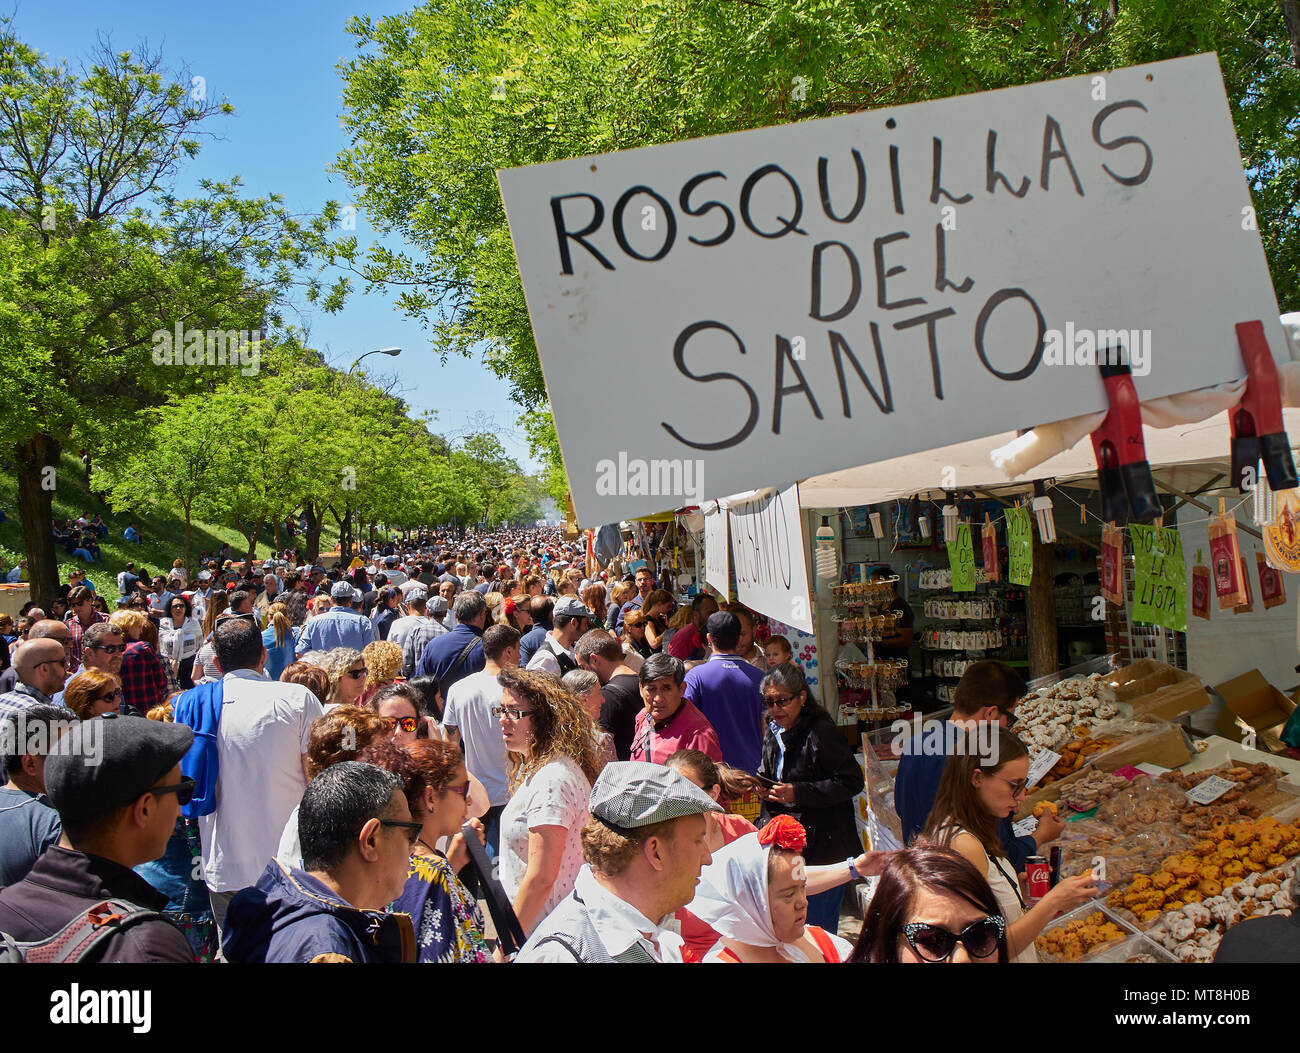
629	794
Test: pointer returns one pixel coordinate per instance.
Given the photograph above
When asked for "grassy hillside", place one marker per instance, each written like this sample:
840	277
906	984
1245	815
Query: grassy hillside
164	536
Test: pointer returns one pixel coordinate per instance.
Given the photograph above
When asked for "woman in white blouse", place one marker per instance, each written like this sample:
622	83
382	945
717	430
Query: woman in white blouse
180	635
552	759
976	792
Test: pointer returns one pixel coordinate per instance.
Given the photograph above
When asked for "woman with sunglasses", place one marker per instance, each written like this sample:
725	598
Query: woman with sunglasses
346	668
932	905
180	635
92	693
448	922
399	705
812	776
975	793
340	735
552	761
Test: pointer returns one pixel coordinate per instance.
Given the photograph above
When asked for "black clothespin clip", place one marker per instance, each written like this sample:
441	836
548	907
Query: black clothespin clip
1255	423
1123	474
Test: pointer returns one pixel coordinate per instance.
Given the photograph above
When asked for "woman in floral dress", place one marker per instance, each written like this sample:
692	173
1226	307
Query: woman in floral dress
448	922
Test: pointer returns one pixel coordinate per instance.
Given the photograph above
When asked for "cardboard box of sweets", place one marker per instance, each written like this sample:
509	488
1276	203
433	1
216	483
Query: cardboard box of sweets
1145	741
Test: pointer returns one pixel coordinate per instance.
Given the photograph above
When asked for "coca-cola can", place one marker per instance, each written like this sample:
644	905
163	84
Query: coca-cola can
1038	876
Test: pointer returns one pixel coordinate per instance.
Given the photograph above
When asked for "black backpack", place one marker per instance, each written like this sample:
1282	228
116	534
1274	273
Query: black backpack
75	941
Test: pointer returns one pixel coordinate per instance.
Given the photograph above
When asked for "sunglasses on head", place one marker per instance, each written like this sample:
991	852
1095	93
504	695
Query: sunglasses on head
934	943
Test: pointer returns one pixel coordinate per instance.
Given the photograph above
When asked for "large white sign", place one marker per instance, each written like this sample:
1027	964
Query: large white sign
767	548
729	313
717	554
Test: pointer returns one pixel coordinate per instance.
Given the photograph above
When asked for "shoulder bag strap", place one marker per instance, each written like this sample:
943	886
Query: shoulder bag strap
1015	885
509	932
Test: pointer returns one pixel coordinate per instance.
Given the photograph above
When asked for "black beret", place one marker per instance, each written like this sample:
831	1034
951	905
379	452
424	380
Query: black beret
107	762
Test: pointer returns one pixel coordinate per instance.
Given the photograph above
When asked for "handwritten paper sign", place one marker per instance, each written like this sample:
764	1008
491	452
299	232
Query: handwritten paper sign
1020	542
1159	578
961	558
717	551
1040	766
1209	790
1024	827
768	552
782	300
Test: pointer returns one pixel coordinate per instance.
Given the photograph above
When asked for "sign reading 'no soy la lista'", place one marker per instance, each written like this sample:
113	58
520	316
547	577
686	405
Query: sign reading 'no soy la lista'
722	314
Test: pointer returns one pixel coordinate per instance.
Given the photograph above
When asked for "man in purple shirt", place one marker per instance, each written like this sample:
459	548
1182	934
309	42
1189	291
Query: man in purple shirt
725	690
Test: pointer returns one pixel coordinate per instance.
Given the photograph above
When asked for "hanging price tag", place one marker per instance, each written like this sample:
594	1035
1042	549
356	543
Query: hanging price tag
1247	604
1201	591
1209	790
1040	766
990	543
1112	565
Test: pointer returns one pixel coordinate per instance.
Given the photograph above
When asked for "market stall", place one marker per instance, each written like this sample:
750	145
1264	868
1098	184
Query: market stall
1187	835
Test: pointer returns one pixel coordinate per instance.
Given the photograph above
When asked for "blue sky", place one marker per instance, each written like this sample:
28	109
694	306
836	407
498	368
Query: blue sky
276	62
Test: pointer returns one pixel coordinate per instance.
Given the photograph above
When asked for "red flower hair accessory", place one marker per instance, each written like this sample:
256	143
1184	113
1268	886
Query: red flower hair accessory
785	832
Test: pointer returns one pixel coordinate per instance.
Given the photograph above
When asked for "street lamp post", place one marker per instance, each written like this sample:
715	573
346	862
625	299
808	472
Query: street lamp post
392	352
345	545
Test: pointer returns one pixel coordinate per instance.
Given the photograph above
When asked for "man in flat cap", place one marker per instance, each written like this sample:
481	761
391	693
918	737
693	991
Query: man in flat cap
645	844
116	783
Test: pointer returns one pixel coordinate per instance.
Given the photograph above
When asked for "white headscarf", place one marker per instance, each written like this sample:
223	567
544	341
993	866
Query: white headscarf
731	897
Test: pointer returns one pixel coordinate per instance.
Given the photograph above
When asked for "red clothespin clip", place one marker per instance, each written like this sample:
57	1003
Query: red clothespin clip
1255	423
1123	475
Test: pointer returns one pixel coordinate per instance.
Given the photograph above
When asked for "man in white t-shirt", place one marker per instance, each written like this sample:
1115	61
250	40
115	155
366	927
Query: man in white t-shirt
261	748
467	718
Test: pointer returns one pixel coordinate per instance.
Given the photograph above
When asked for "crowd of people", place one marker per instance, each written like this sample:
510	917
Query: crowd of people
286	762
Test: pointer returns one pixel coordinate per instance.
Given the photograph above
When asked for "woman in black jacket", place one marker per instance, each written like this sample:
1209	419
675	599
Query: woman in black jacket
815	778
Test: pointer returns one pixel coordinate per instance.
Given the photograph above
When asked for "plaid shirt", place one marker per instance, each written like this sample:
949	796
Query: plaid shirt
75	631
144	684
416	641
24	696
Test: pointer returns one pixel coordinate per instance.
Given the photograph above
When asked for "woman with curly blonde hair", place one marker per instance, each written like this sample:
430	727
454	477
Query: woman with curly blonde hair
552	762
383	664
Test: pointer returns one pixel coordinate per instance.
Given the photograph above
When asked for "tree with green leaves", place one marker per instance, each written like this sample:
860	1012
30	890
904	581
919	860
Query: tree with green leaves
181	466
99	262
438	98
